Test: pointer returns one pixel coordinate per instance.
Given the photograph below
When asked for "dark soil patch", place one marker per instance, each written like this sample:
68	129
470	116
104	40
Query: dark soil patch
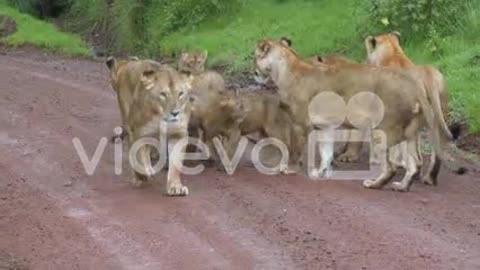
8	26
8	262
470	143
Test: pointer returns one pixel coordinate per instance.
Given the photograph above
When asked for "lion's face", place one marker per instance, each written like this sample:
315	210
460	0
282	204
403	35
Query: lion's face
192	62
381	47
268	56
170	91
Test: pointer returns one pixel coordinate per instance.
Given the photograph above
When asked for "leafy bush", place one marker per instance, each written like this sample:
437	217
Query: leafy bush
32	31
173	15
165	17
42	8
419	18
138	26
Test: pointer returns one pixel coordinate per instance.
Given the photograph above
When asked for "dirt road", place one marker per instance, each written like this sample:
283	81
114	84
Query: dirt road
54	216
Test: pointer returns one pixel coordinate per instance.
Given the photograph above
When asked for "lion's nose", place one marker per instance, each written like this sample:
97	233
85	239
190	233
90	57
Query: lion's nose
175	113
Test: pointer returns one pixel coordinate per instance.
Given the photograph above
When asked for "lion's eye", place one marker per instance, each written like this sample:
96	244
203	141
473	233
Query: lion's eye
181	94
163	95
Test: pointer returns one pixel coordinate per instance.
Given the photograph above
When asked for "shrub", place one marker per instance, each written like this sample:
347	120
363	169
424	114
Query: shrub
419	18
42	8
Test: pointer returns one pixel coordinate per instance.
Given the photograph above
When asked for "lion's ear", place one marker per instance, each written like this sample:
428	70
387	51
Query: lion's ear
370	43
134	58
204	55
286	41
320	59
264	47
148	79
111	62
397	34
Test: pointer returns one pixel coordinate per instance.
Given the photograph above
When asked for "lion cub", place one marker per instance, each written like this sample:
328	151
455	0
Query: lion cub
233	115
267	115
206	86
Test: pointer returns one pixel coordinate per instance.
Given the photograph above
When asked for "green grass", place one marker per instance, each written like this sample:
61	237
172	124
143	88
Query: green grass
314	26
459	61
322	27
31	31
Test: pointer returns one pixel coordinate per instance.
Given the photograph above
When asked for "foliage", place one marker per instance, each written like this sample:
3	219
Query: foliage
31	31
419	18
443	33
41	8
314	26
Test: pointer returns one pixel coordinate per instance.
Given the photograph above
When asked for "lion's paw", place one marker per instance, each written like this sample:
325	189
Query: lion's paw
137	183
370	184
398	186
177	190
321	173
348	157
286	169
149	171
427	180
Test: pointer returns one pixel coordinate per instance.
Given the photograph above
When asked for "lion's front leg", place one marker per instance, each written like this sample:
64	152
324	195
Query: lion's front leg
145	159
175	160
326	148
352	149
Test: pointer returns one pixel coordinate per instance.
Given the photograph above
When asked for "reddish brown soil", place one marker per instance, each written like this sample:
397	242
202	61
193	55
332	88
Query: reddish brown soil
54	216
470	143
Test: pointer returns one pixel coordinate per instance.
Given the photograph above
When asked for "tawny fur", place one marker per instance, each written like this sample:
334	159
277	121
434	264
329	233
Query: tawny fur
299	82
152	96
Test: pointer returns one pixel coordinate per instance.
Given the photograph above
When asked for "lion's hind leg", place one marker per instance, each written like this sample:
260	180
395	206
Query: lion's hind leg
387	170
411	160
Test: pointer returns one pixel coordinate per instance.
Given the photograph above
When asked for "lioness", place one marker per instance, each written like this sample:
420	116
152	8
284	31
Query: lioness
385	50
351	152
154	102
405	106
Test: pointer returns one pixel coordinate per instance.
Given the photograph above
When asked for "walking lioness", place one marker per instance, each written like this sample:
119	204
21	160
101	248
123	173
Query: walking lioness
385	50
154	103
405	108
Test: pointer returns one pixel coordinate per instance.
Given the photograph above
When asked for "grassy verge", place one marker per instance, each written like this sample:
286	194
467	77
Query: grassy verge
31	31
322	27
459	61
314	26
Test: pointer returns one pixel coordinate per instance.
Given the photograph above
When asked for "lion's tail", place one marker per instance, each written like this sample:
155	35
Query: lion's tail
434	122
430	119
437	82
